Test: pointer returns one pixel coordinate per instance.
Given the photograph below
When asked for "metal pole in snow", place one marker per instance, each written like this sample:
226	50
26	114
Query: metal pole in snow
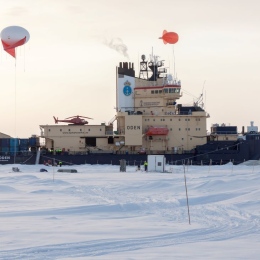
53	163
186	194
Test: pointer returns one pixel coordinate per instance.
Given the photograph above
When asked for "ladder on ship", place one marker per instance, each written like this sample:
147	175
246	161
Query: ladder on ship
112	120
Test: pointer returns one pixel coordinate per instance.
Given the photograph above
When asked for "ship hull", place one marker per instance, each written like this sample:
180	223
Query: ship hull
215	153
212	153
19	159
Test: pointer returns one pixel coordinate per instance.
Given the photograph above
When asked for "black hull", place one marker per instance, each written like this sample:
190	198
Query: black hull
215	153
211	153
18	159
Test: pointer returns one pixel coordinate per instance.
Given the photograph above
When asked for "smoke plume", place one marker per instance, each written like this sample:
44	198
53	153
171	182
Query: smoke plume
117	45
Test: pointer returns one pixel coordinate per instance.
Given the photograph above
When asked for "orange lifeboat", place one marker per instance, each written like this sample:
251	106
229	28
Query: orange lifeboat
157	131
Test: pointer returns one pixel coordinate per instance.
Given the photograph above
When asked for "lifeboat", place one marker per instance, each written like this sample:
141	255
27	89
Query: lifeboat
157	131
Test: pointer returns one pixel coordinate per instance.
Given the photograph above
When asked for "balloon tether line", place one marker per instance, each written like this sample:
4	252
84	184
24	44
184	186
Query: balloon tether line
15	110
173	62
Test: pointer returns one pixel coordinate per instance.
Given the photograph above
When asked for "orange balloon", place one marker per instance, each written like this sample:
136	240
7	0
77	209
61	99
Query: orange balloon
169	37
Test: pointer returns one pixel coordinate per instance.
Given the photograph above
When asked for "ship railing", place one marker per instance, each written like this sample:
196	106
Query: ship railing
168	113
224	133
20	153
109	132
120	131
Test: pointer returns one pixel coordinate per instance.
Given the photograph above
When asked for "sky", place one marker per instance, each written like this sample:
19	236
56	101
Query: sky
101	213
68	67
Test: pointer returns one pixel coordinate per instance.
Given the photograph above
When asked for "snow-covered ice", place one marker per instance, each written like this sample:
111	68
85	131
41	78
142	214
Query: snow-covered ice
102	213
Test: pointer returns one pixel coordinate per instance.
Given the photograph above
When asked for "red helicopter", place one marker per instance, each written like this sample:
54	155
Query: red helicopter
75	120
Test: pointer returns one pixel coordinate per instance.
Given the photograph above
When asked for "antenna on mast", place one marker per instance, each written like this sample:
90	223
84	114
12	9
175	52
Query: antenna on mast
174	75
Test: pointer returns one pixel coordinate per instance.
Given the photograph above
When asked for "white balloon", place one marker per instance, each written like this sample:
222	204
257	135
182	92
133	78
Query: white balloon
12	37
12	34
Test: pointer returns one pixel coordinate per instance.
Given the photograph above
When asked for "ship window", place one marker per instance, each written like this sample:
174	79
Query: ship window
179	129
182	139
188	119
100	129
179	119
170	119
60	130
154	120
177	90
80	130
69	130
156	91
160	91
88	129
170	129
152	91
166	90
190	138
91	141
49	130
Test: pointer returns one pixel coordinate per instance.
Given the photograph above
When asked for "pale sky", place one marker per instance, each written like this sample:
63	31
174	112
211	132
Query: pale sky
66	68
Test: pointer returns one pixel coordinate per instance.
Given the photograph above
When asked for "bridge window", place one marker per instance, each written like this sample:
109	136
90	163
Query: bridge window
166	90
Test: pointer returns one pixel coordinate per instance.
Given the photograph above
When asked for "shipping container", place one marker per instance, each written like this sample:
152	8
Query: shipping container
24	142
23	148
14	142
14	148
5	142
32	141
5	148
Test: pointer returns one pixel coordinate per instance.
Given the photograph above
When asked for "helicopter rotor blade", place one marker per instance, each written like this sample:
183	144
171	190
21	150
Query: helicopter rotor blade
78	117
70	117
